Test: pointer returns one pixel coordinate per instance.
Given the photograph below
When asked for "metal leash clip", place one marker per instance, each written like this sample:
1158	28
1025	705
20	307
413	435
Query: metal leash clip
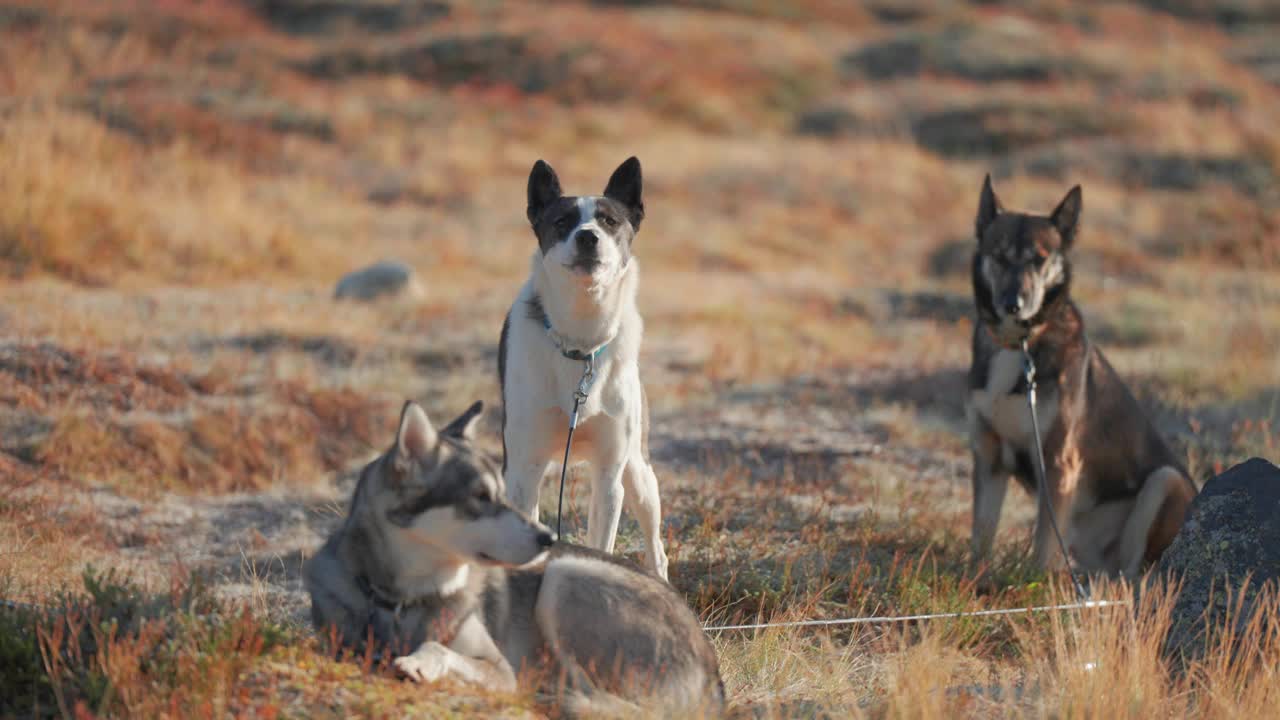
584	388
579	396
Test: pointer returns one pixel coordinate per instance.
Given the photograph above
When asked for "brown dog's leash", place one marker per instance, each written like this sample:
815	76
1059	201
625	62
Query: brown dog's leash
1029	374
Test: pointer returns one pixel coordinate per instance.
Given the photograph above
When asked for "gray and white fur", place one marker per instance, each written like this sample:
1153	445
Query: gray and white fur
581	297
434	566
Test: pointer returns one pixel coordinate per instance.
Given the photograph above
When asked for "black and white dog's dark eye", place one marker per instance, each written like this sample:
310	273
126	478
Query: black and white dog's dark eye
610	221
564	225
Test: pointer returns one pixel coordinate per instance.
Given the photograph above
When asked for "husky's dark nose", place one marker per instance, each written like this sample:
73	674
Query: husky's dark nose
546	539
587	241
1011	302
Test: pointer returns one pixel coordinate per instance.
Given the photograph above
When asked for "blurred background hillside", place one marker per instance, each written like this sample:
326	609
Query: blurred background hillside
180	141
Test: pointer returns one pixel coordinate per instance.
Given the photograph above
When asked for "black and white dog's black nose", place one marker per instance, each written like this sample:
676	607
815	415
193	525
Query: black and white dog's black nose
587	240
546	539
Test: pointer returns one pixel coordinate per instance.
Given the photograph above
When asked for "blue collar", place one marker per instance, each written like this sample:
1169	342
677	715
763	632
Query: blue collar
571	353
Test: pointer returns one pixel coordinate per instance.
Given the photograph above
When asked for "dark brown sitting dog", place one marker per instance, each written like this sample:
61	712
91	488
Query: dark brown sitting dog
1118	493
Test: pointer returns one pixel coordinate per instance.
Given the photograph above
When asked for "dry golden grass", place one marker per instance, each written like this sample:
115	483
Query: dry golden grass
82	202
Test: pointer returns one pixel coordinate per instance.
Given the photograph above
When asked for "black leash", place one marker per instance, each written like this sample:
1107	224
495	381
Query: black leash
588	360
1029	374
579	396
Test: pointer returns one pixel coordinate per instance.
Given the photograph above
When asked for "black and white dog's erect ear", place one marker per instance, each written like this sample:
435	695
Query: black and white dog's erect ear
988	208
464	426
416	438
544	189
625	186
1066	217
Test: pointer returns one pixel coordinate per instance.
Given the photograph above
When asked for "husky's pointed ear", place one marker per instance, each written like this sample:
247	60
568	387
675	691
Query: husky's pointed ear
625	186
1066	217
415	438
464	426
544	188
988	208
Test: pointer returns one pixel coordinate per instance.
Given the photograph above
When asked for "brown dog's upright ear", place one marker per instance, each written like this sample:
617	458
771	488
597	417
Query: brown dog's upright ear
625	186
988	208
1066	217
544	188
415	438
464	426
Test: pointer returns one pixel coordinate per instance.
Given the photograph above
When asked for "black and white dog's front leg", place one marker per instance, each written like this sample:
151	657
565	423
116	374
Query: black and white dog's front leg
612	439
530	445
641	488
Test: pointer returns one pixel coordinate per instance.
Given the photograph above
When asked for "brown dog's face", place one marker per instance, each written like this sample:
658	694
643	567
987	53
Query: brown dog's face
1021	264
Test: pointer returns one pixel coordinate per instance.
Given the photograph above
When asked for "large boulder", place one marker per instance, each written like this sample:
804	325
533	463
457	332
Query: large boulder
1232	534
389	278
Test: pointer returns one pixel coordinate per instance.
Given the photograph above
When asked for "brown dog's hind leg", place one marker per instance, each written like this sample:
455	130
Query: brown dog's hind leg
1158	512
1095	536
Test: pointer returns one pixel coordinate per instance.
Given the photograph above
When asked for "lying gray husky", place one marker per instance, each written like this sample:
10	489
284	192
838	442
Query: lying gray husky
432	564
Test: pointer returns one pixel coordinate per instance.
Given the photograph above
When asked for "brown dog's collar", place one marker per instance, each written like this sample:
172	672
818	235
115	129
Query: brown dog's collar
995	338
1033	334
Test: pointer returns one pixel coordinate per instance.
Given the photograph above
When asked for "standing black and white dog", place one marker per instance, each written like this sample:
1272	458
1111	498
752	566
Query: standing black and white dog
579	307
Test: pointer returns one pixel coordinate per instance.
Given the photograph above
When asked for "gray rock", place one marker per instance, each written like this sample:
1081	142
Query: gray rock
1232	533
387	278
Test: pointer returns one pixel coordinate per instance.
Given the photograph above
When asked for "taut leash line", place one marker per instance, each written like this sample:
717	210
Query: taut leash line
1029	373
1084	605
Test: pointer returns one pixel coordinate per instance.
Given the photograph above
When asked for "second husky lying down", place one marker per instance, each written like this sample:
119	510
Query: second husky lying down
432	562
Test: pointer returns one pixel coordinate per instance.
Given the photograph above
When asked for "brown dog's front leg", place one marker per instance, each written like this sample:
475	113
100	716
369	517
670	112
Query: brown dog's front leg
989	487
1061	487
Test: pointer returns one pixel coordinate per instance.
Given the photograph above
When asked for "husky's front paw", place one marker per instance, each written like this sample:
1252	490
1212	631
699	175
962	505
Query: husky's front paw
427	664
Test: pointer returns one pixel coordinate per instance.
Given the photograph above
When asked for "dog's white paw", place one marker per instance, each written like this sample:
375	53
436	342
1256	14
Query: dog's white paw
658	564
427	664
